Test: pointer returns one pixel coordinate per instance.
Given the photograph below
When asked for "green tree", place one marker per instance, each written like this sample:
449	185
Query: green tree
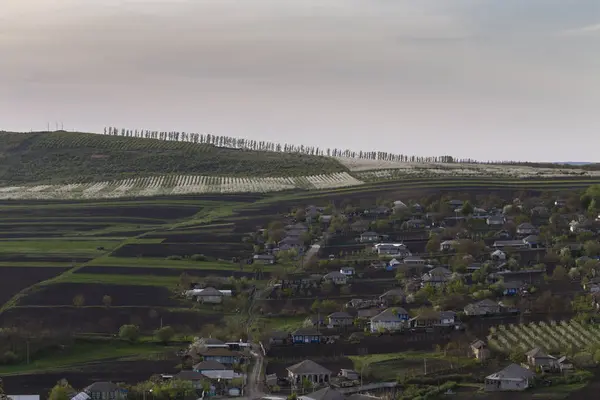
560	274
129	332
467	209
61	391
164	334
591	248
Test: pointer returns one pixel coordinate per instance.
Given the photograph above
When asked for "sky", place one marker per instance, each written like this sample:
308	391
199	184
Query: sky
484	79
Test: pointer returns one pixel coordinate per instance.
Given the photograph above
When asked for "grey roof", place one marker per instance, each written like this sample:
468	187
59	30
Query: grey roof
526	225
307	331
209	365
478	344
340	314
390	314
487	303
532	239
393	292
189	376
440	271
537	353
326	394
279	335
210	340
101	387
210	291
447	314
369	233
368	313
308	367
513	371
360	396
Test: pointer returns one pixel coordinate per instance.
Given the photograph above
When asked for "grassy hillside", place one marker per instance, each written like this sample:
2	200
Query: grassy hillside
67	157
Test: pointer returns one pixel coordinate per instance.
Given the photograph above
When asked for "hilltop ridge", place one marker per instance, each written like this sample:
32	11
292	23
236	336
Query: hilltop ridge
62	157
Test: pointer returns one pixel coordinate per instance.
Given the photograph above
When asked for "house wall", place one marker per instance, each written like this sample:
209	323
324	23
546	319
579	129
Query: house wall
505	385
387	325
210	299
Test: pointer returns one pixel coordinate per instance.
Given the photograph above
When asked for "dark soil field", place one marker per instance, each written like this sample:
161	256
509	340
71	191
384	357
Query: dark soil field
162	250
42	258
14	279
196	236
99	270
62	294
104	319
152	211
112	371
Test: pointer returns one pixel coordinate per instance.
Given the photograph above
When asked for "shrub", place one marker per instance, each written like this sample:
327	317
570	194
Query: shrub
129	332
174	258
198	257
164	334
9	358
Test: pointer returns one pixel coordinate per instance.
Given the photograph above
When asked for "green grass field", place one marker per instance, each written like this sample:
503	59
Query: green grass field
62	246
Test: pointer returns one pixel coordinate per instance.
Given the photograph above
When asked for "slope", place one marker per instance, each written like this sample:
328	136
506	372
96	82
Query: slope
72	157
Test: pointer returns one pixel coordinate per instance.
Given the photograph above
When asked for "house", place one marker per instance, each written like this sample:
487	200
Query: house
533	241
391	319
105	391
278	338
417	208
348	271
512	378
510	288
540	211
210	295
414	224
369	237
392	249
436	277
448	245
196	378
414	261
336	277
455	203
306	335
399	206
209	365
223	356
326	393
526	229
310	371
379	211
498	255
509	244
495	220
433	318
340	318
264	258
537	358
483	307
349	374
290	243
480	350
564	364
392	296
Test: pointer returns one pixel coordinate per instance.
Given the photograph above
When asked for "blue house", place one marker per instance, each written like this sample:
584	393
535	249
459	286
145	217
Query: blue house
222	355
306	335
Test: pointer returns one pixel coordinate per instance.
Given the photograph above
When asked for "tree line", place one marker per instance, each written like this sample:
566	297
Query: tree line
261	145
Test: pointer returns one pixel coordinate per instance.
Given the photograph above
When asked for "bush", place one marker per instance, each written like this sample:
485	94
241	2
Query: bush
129	332
164	334
9	358
198	257
174	258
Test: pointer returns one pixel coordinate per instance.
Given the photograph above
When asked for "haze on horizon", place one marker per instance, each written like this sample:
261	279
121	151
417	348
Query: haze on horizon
485	79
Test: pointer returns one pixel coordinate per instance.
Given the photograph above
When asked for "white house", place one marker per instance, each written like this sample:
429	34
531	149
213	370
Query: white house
348	271
391	319
392	249
447	245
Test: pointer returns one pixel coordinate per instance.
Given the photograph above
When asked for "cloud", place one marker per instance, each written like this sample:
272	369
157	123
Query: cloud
582	31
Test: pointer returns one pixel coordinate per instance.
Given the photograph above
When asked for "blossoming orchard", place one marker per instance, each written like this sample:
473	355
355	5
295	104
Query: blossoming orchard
182	184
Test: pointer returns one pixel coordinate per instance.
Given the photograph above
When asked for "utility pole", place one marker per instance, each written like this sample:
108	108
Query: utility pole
425	366
27	351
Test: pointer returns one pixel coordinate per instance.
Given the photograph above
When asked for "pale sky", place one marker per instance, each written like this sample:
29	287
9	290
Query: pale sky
486	79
